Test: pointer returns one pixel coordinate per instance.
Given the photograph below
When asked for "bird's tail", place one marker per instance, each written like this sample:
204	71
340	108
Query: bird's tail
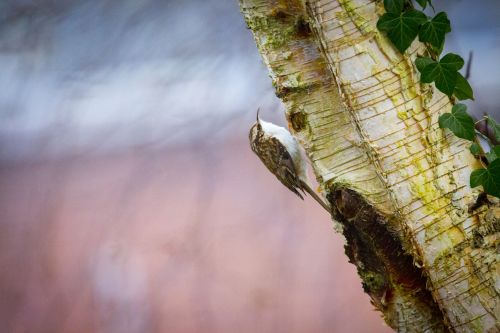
316	197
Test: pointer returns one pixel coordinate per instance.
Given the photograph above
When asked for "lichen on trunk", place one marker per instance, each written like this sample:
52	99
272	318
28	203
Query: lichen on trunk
397	182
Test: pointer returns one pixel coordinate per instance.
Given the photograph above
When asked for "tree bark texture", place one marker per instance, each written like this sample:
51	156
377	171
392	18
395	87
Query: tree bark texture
398	184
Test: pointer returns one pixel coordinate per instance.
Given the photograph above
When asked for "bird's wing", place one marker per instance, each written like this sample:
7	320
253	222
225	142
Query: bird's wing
288	173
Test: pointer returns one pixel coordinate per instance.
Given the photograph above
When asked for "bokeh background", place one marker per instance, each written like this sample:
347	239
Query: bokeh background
129	198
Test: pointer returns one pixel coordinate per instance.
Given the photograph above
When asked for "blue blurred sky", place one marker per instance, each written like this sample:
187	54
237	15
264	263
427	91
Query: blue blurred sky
90	76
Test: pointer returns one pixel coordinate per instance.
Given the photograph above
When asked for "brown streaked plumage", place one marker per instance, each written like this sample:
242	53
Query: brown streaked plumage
280	153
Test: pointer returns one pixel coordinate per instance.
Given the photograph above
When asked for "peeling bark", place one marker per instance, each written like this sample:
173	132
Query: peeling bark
397	182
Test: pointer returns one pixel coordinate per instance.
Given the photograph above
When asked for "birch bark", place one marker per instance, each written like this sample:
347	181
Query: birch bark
397	182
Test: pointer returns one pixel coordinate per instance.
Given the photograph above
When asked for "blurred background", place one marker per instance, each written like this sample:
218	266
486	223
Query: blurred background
129	198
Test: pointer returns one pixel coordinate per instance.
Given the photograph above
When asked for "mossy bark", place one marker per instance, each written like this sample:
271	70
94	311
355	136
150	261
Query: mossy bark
397	182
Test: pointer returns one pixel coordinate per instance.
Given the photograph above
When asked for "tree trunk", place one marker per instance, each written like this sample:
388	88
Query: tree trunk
398	184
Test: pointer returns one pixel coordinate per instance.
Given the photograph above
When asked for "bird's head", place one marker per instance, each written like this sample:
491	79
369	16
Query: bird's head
256	132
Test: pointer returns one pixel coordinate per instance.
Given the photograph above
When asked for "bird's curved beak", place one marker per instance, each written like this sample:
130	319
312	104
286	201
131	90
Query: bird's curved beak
258	119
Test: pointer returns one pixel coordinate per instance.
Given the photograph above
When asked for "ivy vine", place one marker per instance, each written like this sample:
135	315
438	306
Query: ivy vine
403	23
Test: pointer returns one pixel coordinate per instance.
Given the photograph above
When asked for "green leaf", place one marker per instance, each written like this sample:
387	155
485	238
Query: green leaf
495	127
422	62
493	154
475	149
459	122
489	178
402	28
423	3
438	50
433	31
476	177
444	73
463	89
394	6
453	61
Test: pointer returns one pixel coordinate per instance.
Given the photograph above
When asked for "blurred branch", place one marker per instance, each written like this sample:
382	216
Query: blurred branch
469	64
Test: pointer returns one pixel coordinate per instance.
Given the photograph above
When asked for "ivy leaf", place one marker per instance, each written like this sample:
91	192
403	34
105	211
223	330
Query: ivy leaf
438	50
402	28
459	122
423	3
433	31
475	149
493	154
496	127
422	62
489	178
453	61
463	89
394	6
476	177
444	72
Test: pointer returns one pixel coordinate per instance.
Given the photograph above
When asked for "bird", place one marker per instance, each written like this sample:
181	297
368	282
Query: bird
280	152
